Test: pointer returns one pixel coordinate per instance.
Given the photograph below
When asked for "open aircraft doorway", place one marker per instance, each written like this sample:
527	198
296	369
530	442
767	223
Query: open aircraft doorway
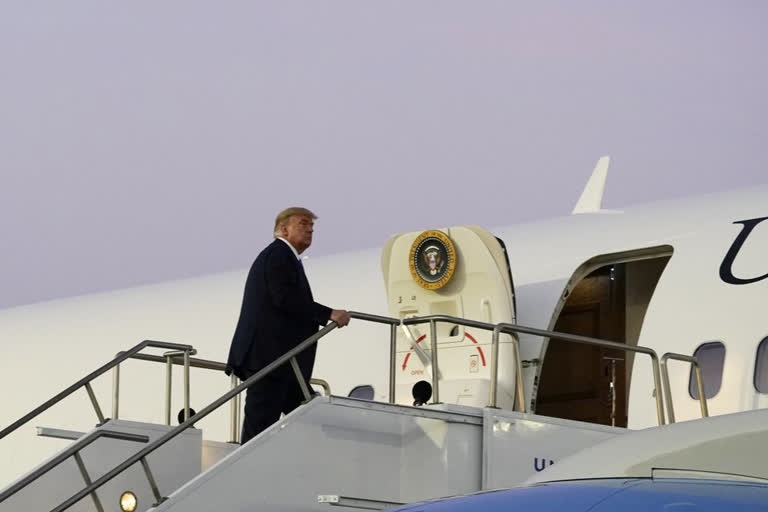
606	298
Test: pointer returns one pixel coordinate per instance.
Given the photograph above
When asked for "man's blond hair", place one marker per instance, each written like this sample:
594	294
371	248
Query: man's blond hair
283	216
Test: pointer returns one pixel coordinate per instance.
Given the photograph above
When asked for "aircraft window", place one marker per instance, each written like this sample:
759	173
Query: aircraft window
711	357
364	392
761	367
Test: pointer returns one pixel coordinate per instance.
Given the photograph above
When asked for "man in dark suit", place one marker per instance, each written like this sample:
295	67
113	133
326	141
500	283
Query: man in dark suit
278	313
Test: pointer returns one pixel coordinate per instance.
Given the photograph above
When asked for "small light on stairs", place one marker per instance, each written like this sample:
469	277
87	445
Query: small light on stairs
128	501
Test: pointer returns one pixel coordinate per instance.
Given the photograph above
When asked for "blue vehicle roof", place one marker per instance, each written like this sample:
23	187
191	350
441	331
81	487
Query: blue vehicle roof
612	494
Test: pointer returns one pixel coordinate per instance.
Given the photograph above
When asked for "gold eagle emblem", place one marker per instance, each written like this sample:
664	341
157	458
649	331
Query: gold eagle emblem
432	259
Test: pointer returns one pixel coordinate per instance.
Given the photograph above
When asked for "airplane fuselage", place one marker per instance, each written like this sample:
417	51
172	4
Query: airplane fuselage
671	276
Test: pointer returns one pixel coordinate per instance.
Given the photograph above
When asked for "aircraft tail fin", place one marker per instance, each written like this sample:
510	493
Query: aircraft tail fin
592	197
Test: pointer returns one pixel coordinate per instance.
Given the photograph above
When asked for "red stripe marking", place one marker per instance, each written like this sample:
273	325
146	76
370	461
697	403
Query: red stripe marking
479	349
405	361
466	335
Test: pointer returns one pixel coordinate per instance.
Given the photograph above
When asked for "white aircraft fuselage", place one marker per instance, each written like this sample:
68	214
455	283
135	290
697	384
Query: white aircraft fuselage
670	276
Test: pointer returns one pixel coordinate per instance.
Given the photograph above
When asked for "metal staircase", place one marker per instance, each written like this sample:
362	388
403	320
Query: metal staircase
328	445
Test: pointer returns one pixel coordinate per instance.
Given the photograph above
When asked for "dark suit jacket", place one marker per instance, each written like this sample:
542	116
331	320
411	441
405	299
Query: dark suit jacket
278	313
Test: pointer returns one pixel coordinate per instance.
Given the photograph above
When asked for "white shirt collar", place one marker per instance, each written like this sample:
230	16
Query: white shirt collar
295	252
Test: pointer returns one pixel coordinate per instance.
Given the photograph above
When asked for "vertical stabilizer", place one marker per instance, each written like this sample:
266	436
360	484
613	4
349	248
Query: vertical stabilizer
592	197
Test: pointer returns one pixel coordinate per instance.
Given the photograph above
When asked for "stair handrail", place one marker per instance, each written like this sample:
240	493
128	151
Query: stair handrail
699	383
587	340
73	450
514	329
494	384
206	364
174	358
393	324
86	382
288	357
433	320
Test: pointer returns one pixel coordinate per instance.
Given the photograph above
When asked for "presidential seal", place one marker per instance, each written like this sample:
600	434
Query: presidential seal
432	259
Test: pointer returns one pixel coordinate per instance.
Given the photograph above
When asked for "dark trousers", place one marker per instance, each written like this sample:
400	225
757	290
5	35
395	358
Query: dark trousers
277	392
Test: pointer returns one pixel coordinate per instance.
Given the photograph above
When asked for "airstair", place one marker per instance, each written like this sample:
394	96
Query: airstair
331	451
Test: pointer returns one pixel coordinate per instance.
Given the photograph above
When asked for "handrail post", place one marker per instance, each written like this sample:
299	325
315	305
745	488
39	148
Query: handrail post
122	356
186	385
87	479
95	403
494	367
667	390
657	385
168	385
158	497
322	383
521	405
116	392
574	338
699	383
233	423
519	391
392	361
435	371
700	387
300	379
71	451
239	398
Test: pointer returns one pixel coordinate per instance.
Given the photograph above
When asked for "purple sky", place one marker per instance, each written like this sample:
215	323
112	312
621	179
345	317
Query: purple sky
143	141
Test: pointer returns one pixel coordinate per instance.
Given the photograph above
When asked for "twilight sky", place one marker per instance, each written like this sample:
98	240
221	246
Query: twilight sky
152	140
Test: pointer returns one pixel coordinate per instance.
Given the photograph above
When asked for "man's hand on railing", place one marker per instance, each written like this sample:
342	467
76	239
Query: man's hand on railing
340	316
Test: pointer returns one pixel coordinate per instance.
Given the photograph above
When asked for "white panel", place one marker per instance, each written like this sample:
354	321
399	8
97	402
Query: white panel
517	446
214	451
731	443
374	451
346	447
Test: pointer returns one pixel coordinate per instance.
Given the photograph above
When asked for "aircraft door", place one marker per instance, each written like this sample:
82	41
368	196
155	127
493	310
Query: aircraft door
462	272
